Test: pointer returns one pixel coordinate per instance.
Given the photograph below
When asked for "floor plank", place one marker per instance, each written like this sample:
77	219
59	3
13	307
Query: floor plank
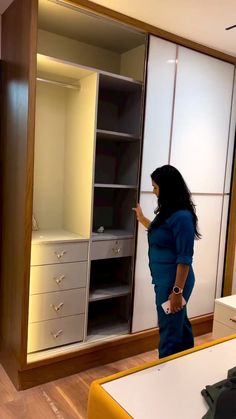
65	398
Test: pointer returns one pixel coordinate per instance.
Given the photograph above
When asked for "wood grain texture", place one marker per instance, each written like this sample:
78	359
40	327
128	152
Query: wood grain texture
65	398
99	354
19	26
146	27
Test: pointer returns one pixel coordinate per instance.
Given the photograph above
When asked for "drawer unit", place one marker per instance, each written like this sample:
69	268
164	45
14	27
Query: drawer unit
51	253
224	316
111	248
65	276
56	304
52	333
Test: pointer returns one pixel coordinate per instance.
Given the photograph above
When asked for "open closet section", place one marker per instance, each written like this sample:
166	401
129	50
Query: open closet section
87	147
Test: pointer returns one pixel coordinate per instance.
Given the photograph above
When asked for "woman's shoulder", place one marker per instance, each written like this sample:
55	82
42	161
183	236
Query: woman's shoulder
181	215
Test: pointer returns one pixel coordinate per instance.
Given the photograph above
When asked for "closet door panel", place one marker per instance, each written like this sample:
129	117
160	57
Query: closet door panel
201	120
205	263
18	72
231	142
158	113
144	313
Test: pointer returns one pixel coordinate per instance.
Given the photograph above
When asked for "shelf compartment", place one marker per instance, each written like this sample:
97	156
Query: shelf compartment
113	209
110	278
108	318
117	162
119	105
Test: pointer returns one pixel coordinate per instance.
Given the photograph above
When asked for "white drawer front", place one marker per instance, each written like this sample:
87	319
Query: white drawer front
221	331
225	315
65	276
111	248
57	332
56	304
42	254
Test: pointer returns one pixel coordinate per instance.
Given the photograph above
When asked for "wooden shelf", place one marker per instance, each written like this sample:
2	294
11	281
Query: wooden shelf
116	136
106	292
114	185
55	235
107	328
112	235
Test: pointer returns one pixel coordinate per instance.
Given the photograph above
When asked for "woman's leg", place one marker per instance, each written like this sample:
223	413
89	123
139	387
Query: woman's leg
175	329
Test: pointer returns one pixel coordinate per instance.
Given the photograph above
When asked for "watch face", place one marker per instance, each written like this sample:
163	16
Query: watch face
177	290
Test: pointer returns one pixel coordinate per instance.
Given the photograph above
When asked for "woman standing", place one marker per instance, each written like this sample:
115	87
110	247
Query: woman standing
171	240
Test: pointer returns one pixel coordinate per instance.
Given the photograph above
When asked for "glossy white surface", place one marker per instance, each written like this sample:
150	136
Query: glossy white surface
157	392
158	113
201	120
144	312
206	255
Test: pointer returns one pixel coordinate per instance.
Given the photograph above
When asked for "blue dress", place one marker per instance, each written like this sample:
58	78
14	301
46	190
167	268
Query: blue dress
172	243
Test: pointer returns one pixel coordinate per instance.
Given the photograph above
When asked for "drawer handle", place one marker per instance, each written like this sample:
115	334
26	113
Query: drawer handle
59	279
116	250
233	319
60	255
57	334
58	307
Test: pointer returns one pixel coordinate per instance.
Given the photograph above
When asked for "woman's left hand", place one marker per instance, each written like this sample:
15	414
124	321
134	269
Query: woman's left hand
175	302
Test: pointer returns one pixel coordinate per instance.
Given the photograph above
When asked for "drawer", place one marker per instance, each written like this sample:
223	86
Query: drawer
221	331
54	333
56	304
50	253
225	315
112	248
64	276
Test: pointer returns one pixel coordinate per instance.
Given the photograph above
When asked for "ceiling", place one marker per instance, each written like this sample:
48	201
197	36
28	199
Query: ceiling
202	21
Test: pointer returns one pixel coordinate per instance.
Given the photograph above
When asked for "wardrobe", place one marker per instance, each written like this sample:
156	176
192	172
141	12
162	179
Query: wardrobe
91	105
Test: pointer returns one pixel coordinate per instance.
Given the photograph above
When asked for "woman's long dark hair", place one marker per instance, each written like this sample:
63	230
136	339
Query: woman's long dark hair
174	195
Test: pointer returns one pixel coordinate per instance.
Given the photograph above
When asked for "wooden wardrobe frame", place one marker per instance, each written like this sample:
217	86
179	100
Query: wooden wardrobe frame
17	150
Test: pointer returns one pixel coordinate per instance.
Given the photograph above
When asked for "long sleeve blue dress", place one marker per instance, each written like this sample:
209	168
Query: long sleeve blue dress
171	244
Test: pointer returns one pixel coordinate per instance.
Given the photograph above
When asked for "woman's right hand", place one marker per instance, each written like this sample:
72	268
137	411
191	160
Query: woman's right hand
139	213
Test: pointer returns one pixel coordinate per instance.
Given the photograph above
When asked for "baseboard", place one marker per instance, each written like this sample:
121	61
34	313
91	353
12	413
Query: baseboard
99	354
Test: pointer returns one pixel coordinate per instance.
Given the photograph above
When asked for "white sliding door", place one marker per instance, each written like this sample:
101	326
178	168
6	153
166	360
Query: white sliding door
192	127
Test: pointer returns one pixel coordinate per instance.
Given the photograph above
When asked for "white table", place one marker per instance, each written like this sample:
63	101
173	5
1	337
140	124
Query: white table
167	390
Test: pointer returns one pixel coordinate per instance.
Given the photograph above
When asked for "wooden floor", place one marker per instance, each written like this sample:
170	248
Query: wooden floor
65	398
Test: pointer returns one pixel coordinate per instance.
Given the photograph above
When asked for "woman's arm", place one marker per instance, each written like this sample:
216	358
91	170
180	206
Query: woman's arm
180	279
140	217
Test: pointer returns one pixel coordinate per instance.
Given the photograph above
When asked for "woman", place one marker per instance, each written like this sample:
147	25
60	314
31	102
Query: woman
171	240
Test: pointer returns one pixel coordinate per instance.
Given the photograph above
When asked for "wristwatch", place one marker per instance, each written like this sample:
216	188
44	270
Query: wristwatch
177	290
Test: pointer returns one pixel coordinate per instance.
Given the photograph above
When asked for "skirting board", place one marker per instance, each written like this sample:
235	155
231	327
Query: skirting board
101	353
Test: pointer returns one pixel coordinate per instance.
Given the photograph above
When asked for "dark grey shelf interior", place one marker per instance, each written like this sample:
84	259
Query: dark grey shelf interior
117	162
113	209
119	105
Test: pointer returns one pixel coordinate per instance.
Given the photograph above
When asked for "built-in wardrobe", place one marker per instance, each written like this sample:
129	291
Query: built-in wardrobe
91	107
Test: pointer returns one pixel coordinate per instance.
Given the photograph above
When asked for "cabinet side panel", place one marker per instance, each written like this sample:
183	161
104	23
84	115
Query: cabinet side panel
18	77
79	151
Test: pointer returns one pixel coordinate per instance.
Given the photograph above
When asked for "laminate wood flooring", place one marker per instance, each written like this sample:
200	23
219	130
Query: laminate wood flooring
65	398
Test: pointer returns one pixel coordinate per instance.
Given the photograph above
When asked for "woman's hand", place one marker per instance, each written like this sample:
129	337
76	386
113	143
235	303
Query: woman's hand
176	303
140	217
139	213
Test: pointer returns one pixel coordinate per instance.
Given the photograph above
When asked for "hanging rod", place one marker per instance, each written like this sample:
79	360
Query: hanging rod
58	83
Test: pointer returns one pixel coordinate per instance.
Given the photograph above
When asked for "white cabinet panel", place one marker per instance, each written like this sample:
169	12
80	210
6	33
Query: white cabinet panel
201	120
231	142
144	313
205	263
206	255
159	102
